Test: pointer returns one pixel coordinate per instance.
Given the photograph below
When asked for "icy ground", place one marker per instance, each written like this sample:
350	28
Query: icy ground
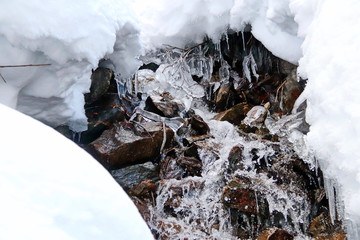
73	36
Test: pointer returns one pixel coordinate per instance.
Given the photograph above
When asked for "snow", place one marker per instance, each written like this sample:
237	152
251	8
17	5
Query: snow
72	36
187	22
52	189
330	63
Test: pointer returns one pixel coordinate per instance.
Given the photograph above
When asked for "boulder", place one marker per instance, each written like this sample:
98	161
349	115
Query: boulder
126	143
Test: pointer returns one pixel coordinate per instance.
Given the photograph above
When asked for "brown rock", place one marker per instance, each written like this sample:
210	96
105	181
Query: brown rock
235	114
191	165
321	228
126	143
199	126
170	169
163	106
275	234
143	207
235	158
145	189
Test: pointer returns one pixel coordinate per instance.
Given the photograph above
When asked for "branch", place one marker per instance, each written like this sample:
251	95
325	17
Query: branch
27	65
2	78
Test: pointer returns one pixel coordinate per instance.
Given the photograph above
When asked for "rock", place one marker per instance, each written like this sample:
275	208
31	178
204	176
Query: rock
256	116
235	158
178	168
226	97
190	140
191	166
131	176
101	116
170	169
145	189
127	143
238	196
100	82
235	114
321	228
275	234
163	106
198	126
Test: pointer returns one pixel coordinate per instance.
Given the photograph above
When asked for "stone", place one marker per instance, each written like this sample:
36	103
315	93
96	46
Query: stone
257	115
127	143
226	97
170	169
321	228
145	189
163	106
235	158
198	126
235	114
143	207
100	82
131	176
191	166
275	234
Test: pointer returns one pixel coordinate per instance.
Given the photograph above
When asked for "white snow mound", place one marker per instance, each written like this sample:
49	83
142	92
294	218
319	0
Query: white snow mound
52	189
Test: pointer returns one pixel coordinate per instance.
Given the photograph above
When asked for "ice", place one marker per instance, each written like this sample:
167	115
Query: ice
55	190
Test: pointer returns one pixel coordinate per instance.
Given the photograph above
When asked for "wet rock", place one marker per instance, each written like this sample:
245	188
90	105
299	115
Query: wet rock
235	158
170	169
237	195
100	82
163	106
191	166
145	189
226	97
235	114
198	126
275	234
321	228
127	143
131	176
256	116
190	140
101	115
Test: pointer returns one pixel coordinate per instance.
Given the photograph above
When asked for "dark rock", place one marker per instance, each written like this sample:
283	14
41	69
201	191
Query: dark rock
163	106
237	195
226	97
235	158
127	143
131	176
198	125
275	234
101	116
190	140
235	114
321	228
170	169
100	82
191	166
145	189
143	207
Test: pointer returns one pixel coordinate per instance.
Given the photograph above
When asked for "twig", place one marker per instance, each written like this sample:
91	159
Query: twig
278	89
26	65
2	78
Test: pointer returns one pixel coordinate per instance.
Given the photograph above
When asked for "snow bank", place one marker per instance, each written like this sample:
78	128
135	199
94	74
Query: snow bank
52	189
71	36
184	22
330	62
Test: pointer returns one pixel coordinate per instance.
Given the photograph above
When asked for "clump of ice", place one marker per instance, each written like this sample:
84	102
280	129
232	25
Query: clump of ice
52	189
72	37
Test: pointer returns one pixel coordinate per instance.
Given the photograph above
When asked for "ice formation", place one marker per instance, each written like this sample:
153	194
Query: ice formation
52	189
72	37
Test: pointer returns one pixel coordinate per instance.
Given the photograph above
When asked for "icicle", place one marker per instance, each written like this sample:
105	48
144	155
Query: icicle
164	136
243	41
329	188
227	41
